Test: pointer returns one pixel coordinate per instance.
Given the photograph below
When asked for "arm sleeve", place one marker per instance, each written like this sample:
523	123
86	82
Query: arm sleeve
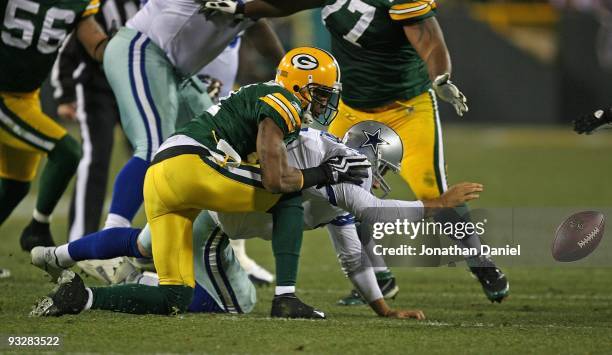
412	11
371	209
282	110
349	250
67	62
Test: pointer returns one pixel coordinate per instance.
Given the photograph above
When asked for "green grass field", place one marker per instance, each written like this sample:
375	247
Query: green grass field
551	309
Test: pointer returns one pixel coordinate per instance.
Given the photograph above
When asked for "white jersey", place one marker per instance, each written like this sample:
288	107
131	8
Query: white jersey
225	67
189	39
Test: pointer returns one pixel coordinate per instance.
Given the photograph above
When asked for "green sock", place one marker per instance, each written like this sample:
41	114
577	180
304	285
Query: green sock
287	233
11	193
61	165
142	299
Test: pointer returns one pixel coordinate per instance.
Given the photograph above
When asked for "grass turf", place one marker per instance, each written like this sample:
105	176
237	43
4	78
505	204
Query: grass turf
551	309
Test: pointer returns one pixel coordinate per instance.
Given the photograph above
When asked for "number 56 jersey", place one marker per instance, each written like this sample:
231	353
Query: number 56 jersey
379	65
31	32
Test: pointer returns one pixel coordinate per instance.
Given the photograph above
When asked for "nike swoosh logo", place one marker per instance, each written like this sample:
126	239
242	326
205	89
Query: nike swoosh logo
319	313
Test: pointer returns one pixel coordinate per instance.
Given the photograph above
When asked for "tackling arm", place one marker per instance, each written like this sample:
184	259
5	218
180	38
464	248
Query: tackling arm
93	37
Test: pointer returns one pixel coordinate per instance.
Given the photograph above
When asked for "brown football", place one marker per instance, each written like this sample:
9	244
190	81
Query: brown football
578	236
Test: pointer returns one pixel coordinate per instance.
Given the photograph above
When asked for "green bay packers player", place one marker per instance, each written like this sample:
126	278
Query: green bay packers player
201	167
395	63
31	34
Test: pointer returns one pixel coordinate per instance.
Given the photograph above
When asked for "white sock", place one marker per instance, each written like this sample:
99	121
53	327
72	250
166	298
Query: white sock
281	290
89	299
41	218
116	221
63	256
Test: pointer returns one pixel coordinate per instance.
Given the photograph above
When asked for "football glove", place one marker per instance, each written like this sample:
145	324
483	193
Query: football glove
351	169
447	91
213	87
232	7
590	123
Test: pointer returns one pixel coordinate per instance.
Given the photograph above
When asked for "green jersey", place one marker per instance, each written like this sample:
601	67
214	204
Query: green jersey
378	63
31	35
236	118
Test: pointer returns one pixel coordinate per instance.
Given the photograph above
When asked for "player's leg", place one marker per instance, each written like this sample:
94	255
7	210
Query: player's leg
17	169
424	169
145	87
26	128
97	114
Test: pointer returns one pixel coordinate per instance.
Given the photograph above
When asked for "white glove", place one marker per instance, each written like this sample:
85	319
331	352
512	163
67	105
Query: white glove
447	91
232	7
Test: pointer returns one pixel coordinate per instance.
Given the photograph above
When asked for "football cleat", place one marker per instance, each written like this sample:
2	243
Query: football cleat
386	283
260	276
113	271
289	306
36	234
595	121
4	273
69	297
494	283
44	258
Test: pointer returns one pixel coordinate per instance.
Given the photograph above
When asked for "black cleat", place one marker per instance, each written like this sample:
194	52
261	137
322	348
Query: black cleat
69	297
289	306
36	234
386	283
494	283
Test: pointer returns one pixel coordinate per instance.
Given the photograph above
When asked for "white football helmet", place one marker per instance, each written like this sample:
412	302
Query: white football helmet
380	144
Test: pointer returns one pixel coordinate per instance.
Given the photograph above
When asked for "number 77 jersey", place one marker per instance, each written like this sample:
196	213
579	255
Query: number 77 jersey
379	65
31	33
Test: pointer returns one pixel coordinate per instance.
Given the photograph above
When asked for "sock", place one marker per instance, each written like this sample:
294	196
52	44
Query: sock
41	218
287	233
116	221
11	193
203	302
89	299
240	252
63	256
106	244
127	191
142	299
61	165
384	275
281	290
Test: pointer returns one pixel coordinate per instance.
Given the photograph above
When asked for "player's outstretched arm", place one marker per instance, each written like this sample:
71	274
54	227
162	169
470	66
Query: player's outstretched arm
428	40
259	8
93	37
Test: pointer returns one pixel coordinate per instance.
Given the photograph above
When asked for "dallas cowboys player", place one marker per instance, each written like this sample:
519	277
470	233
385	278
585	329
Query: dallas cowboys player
217	276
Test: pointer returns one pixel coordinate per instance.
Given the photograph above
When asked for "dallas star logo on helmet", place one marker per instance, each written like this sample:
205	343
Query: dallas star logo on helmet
304	61
373	140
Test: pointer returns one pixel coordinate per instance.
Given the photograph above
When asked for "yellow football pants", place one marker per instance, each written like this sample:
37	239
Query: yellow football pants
26	134
417	123
177	189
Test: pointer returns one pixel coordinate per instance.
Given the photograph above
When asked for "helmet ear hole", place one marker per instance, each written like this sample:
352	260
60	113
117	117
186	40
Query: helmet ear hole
296	88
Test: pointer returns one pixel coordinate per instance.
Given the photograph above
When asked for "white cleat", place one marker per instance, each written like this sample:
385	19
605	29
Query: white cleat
112	271
260	276
45	259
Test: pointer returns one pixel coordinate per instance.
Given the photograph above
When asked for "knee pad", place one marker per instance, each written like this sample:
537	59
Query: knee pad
67	151
178	297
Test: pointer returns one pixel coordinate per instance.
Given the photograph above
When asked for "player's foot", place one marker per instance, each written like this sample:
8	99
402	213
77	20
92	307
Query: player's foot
113	271
44	258
386	283
36	234
4	273
69	297
494	283
289	306
260	276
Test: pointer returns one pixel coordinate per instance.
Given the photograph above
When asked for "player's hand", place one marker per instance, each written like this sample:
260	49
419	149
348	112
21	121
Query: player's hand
460	193
213	87
405	314
352	169
593	122
67	111
448	92
231	7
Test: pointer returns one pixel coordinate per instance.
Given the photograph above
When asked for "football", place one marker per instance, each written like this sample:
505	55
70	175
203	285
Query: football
578	236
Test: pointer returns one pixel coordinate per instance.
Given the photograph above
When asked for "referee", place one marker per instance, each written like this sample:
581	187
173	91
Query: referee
83	95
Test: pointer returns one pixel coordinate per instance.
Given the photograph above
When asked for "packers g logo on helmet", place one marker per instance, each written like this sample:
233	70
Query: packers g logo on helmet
313	76
304	61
